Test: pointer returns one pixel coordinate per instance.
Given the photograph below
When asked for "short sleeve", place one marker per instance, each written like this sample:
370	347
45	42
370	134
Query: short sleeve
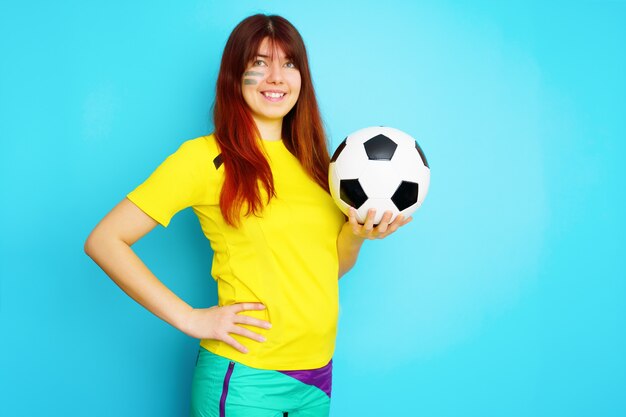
181	181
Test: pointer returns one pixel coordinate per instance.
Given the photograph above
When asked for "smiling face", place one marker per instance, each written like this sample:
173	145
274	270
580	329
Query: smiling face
270	85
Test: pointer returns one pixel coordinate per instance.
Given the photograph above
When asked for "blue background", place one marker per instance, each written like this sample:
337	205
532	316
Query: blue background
505	296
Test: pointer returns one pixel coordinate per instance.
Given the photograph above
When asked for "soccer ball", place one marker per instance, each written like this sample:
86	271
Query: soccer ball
381	168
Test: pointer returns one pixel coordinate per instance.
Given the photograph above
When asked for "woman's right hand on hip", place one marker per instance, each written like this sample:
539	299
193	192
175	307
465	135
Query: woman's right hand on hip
219	323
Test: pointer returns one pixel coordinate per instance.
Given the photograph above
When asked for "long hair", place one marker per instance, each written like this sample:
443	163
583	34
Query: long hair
246	168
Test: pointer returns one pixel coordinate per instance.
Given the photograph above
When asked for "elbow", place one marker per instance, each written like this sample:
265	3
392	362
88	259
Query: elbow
90	245
94	243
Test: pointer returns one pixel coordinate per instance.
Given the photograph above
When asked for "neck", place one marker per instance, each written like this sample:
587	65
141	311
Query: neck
270	130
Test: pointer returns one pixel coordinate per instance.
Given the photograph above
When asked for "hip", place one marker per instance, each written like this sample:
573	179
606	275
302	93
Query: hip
224	387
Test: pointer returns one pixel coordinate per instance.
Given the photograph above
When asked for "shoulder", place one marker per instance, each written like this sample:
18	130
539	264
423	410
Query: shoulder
203	151
200	148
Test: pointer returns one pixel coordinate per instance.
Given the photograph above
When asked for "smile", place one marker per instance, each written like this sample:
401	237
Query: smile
273	96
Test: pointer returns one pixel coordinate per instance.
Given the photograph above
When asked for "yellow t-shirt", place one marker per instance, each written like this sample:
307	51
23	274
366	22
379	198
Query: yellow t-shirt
286	258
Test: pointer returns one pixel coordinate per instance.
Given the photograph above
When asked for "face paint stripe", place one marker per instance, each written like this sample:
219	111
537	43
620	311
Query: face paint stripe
253	73
248	81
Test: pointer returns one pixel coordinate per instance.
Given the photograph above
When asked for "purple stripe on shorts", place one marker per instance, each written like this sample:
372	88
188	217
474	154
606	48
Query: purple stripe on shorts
229	372
321	378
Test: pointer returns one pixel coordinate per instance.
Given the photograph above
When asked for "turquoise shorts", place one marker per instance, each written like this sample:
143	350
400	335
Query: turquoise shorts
225	388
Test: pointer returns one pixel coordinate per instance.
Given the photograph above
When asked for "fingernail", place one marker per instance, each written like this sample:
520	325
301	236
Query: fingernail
263	339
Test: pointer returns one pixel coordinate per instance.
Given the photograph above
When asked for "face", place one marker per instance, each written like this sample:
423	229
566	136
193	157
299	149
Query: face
270	87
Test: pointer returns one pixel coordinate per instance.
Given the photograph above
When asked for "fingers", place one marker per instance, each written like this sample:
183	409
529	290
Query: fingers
384	222
356	227
241	331
397	222
369	230
368	226
238	308
362	230
234	343
251	321
228	330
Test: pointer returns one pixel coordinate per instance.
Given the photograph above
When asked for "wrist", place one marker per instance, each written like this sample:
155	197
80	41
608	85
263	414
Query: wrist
183	320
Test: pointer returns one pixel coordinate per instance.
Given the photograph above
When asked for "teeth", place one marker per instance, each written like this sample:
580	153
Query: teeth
274	95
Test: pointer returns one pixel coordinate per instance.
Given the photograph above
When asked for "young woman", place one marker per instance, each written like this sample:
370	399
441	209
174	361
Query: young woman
259	187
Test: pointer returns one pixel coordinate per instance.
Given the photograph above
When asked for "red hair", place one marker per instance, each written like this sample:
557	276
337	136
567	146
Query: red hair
246	168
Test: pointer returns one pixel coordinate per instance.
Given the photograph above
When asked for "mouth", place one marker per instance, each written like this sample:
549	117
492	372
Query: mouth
273	96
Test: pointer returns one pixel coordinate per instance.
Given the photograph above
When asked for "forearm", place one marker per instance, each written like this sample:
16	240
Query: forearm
123	266
348	247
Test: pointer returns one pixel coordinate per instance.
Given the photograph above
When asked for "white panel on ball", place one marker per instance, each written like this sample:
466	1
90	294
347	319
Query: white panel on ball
349	164
408	165
377	177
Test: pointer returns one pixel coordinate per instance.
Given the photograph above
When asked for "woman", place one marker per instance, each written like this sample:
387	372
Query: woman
258	185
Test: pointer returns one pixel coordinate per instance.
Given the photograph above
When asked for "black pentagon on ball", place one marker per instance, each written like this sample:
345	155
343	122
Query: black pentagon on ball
380	148
421	152
406	195
338	150
351	193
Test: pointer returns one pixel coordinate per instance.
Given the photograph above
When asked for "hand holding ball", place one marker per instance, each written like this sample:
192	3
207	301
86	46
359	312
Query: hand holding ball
381	168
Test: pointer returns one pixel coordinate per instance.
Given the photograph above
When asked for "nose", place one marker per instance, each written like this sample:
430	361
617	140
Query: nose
275	73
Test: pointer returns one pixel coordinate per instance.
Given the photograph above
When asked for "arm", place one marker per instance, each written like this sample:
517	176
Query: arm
353	234
109	245
348	248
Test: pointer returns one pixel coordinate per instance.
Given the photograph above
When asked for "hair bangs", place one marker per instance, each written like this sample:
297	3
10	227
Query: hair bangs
281	36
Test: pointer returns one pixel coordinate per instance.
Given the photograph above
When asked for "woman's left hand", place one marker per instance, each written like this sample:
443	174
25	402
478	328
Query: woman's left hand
370	231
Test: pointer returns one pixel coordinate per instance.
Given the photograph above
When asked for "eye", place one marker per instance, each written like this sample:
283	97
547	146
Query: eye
290	64
259	63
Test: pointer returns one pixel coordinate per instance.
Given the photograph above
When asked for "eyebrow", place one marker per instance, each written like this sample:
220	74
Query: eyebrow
267	56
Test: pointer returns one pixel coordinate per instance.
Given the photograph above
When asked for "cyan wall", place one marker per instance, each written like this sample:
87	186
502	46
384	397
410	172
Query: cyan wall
504	297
